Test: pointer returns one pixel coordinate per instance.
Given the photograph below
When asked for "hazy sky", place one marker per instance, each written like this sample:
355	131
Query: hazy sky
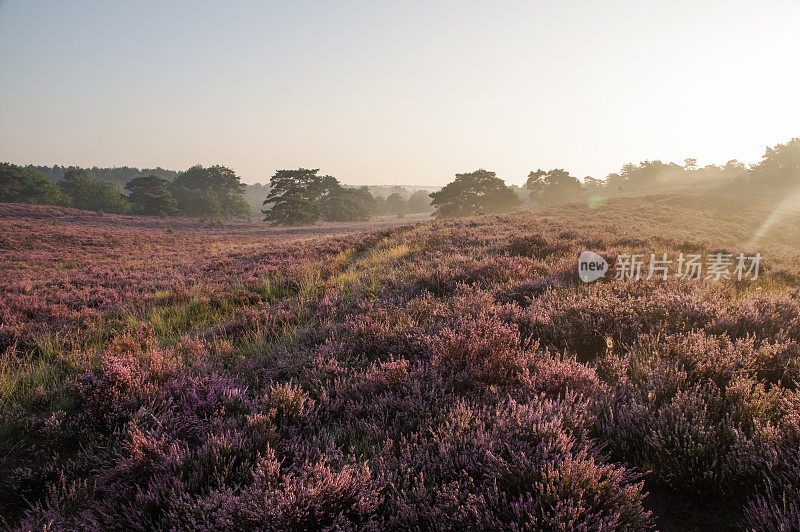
396	92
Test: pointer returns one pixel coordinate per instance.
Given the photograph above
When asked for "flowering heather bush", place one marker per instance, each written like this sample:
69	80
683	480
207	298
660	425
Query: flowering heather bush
779	508
511	465
170	374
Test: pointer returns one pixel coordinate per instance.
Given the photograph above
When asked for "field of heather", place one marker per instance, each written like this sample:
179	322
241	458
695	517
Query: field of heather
175	374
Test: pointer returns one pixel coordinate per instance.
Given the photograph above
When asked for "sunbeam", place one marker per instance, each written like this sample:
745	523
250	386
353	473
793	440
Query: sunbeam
787	206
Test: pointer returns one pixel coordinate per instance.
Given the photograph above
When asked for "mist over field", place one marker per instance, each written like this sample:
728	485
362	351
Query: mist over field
399	266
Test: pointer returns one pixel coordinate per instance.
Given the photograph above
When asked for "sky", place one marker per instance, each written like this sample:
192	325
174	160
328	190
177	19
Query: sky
383	92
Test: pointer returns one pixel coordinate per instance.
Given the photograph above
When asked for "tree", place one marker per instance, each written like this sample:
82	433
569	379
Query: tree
473	193
553	186
214	192
592	185
23	185
535	183
78	187
779	166
420	201
295	196
396	204
342	204
734	171
561	187
88	194
298	197
254	196
149	195
652	174
117	174
615	182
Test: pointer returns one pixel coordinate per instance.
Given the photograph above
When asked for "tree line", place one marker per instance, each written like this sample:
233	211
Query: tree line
303	196
482	191
212	192
116	174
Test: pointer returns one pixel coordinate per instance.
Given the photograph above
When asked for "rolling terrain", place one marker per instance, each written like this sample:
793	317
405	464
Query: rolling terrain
175	374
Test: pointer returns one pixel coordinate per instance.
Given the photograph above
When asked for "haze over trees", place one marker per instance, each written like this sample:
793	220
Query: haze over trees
401	200
472	193
553	186
396	204
343	204
780	166
302	196
254	195
419	202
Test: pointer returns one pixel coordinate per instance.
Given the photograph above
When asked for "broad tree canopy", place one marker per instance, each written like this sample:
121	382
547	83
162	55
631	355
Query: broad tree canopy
150	195
301	196
216	192
24	185
476	192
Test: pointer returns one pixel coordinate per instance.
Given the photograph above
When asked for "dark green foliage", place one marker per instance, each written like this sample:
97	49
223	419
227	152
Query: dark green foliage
149	195
213	192
294	197
348	204
477	192
299	197
117	174
21	185
90	195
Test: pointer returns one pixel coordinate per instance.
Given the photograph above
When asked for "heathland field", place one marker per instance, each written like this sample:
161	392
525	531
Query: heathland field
174	374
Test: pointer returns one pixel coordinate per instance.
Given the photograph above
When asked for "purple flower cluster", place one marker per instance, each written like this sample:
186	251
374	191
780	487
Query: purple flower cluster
444	375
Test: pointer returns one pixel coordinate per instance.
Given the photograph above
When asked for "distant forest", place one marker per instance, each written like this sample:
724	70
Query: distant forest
302	196
117	174
122	175
214	192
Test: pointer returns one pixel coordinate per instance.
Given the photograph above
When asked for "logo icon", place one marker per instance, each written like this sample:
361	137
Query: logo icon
591	266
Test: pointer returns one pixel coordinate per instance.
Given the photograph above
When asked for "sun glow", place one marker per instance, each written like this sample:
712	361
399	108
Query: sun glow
788	206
